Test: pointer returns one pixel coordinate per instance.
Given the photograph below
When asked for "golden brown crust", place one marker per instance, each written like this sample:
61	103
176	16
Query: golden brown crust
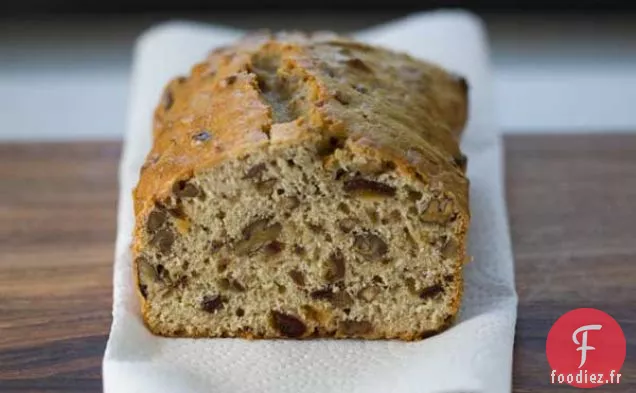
376	102
249	335
411	111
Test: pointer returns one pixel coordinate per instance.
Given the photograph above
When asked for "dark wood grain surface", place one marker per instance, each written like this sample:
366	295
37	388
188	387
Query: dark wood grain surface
57	237
572	211
572	206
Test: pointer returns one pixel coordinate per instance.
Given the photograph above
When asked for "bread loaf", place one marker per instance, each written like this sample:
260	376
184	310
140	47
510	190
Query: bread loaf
304	186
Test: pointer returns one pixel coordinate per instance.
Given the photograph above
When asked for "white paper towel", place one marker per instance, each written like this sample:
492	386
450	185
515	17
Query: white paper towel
473	356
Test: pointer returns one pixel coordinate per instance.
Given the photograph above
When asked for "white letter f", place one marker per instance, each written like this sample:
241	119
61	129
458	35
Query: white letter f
584	347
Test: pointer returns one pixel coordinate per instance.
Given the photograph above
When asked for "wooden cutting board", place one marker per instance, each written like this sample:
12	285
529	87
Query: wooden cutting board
572	208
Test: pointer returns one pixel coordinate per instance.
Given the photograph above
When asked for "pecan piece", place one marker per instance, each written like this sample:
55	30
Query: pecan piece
335	267
163	240
346	225
185	189
431	292
369	293
288	325
437	212
297	277
155	220
355	328
212	303
358	64
368	188
256	235
450	249
146	273
255	172
370	245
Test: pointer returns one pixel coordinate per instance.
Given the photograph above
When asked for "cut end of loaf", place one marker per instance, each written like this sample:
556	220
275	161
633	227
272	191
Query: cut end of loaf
302	241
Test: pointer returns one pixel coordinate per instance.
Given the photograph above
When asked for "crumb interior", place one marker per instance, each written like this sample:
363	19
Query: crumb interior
277	243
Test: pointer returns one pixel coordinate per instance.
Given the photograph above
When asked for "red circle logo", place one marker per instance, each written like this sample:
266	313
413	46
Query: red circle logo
585	348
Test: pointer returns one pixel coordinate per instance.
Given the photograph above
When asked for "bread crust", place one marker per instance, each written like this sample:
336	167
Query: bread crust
379	103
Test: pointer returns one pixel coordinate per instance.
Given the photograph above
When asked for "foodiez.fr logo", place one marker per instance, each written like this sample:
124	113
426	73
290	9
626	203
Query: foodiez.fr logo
585	348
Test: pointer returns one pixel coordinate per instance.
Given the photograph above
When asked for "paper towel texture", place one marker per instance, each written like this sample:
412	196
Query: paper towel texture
473	356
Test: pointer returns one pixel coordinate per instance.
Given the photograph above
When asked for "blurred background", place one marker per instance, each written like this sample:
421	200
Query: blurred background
560	66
